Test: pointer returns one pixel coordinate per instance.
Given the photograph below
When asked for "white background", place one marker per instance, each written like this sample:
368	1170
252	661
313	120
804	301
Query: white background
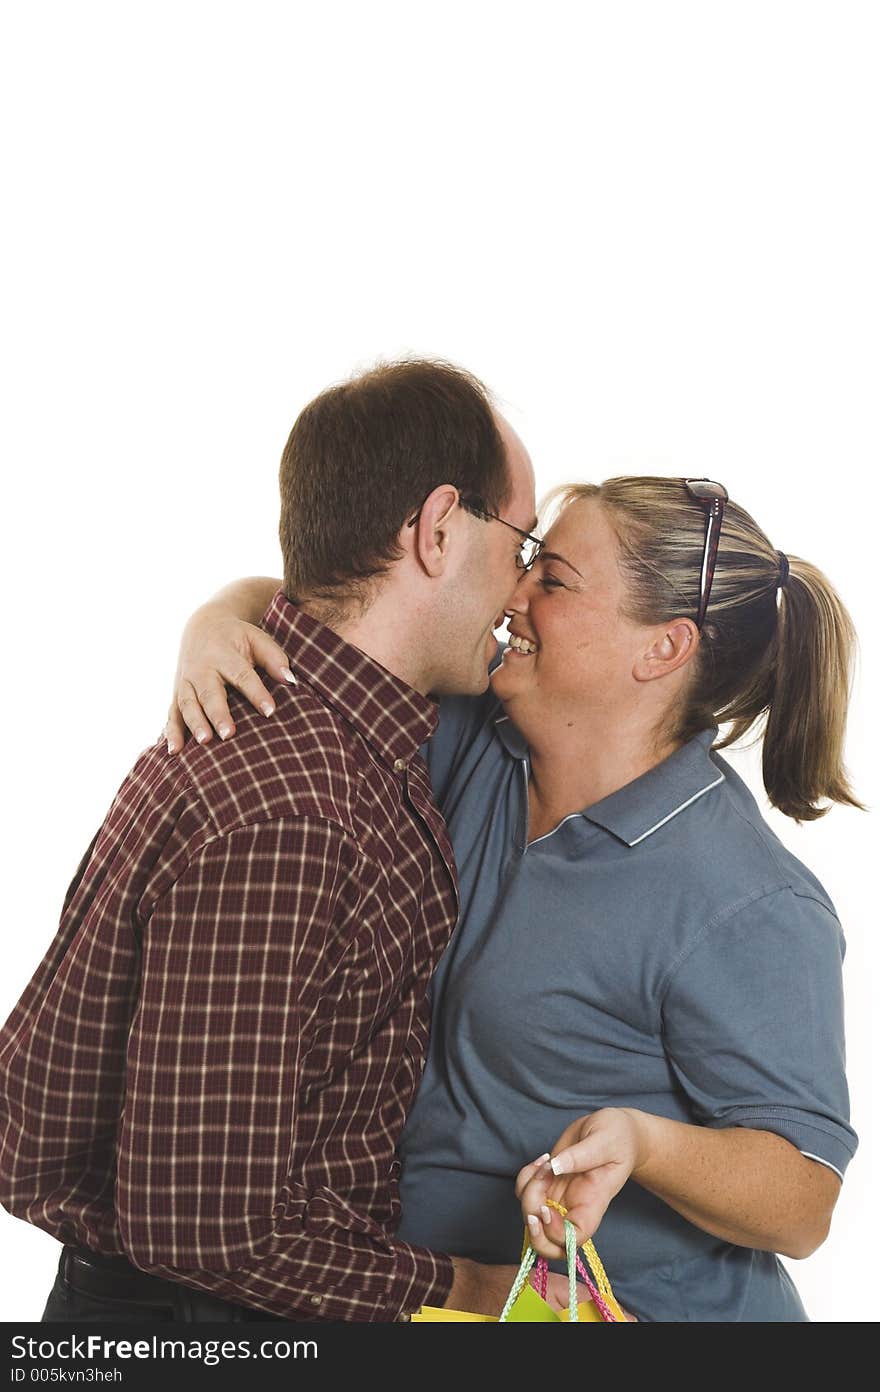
652	228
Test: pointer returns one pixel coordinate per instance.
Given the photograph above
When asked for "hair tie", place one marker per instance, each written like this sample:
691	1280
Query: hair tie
782	578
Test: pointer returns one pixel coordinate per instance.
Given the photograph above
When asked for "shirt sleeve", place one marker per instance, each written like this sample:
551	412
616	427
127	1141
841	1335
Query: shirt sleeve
217	1184
753	1025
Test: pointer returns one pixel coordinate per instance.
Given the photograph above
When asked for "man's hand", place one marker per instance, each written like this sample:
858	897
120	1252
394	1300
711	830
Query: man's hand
483	1290
591	1162
217	650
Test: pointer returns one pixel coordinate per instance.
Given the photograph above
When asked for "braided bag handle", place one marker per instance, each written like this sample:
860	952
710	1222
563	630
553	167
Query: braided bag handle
595	1279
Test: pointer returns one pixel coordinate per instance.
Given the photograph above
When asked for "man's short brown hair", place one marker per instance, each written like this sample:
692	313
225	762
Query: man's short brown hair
363	457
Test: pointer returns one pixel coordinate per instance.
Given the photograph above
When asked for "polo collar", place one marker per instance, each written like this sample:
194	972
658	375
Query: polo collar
640	808
393	717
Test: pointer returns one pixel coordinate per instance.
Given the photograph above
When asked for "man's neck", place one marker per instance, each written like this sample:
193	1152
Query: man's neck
382	633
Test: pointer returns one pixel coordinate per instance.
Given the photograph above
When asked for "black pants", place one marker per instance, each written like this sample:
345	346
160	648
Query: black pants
109	1290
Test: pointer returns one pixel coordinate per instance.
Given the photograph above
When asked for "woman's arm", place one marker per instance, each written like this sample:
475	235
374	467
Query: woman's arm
747	1187
752	1027
221	646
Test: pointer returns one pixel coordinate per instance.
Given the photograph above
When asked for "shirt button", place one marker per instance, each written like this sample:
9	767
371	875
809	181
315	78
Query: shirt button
404	1319
399	765
317	1299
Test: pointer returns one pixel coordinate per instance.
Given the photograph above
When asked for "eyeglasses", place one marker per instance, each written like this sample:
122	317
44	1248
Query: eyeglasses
531	546
711	497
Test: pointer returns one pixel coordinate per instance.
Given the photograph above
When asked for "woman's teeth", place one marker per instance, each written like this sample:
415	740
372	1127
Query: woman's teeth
522	646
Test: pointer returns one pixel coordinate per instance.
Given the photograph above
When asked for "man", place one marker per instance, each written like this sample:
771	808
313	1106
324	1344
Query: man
204	1082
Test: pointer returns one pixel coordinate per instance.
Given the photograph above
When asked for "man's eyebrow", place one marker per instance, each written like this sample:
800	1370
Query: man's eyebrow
555	556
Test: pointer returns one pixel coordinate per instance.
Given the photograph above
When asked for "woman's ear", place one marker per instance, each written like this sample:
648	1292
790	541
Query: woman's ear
672	647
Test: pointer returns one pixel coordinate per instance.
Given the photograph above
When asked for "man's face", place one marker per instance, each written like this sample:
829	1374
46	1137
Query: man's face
490	578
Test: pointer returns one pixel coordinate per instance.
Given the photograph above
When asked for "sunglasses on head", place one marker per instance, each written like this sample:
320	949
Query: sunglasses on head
711	497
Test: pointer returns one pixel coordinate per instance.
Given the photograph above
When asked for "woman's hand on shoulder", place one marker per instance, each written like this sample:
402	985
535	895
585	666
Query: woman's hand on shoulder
218	650
589	1164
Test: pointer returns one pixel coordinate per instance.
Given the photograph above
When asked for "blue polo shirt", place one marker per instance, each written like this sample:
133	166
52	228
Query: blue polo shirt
661	950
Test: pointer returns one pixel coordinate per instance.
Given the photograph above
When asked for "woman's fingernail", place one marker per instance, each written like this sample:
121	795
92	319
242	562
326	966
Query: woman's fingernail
201	736
266	707
225	731
288	676
534	1225
170	746
559	1164
542	1159
545	1213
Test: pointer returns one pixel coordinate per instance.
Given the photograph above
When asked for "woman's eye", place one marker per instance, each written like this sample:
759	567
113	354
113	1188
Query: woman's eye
551	583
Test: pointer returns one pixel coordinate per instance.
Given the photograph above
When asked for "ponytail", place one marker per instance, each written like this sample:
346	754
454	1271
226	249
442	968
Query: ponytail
806	721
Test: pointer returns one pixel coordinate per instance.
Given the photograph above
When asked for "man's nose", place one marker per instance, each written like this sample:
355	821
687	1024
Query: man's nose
518	602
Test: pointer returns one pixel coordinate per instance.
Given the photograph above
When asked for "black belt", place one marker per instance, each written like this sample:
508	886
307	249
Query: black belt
114	1278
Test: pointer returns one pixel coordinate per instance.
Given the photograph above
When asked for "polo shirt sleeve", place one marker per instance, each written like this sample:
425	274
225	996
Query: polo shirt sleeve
753	1025
461	719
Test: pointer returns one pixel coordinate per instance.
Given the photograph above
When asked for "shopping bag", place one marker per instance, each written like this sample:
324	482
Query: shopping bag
526	1305
436	1314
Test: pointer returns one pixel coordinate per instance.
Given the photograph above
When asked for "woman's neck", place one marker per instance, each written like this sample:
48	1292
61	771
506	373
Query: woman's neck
573	769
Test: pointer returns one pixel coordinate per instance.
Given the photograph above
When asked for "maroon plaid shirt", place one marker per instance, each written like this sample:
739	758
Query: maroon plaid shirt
210	1068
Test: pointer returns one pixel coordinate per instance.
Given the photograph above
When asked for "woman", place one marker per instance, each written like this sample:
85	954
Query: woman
643	979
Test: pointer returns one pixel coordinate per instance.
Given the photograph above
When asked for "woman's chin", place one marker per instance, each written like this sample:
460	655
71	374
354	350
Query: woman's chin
506	680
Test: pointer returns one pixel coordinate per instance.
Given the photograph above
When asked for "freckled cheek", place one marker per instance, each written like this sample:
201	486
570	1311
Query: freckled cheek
587	639
557	648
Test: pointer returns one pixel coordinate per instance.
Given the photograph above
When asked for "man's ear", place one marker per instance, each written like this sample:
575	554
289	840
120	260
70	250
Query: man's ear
429	537
672	647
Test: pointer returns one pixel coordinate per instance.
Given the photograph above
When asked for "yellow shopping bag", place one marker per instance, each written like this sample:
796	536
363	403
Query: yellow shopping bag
437	1314
526	1306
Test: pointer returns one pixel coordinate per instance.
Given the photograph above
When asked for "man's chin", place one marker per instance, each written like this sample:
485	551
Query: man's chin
482	663
476	686
484	682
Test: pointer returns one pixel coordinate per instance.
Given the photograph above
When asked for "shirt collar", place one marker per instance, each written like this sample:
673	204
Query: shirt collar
391	716
640	808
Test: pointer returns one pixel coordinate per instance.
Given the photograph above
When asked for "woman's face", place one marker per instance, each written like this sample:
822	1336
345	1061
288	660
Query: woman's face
569	605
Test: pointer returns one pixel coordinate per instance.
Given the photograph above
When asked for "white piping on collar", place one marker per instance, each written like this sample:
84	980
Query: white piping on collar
657	825
539	839
675	812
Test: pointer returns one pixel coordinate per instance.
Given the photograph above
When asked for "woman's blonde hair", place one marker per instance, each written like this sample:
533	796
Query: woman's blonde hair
781	655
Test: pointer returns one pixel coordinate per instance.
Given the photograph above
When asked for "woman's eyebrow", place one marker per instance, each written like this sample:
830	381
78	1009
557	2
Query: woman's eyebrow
555	556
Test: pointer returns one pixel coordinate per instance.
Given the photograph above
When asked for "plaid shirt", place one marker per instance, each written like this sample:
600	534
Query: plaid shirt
210	1068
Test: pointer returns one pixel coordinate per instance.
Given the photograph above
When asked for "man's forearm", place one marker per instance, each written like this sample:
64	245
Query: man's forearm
748	1187
478	1289
352	1276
